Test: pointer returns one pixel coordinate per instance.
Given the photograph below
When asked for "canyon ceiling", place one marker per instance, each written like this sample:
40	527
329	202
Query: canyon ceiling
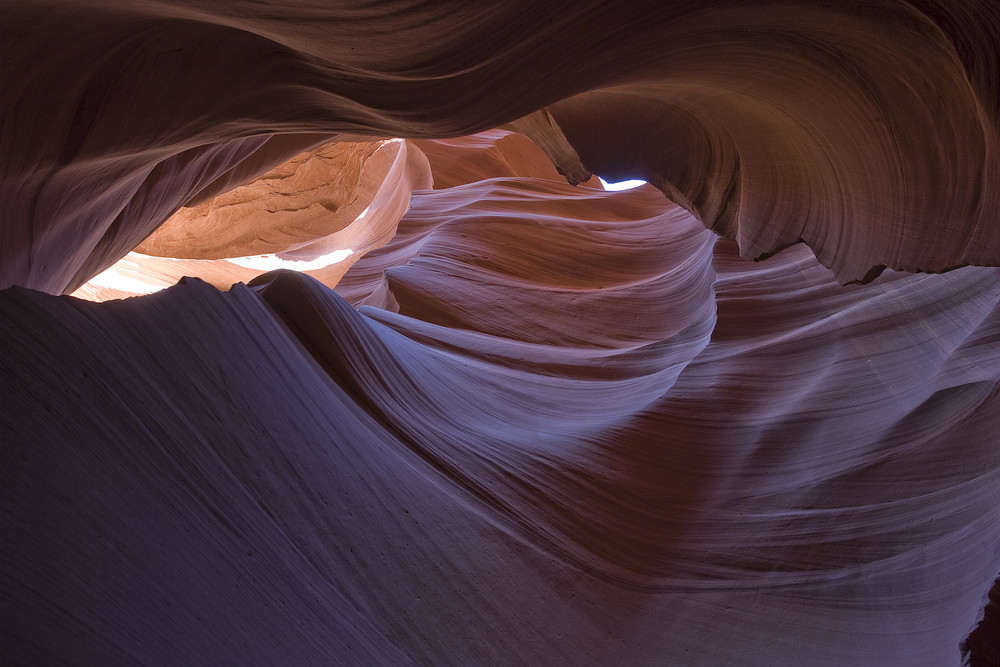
485	411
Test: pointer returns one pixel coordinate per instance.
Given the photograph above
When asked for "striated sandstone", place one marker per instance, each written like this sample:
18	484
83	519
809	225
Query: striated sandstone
522	422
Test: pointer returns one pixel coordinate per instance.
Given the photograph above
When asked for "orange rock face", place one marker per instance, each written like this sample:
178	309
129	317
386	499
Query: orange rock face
486	412
317	213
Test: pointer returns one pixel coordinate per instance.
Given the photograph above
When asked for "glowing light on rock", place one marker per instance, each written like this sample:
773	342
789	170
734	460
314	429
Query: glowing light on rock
117	277
273	262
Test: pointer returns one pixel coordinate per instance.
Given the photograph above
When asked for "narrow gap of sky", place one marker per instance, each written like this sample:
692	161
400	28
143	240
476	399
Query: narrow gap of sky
621	185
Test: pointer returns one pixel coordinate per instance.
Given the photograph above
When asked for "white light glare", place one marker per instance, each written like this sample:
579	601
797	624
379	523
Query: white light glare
621	185
272	262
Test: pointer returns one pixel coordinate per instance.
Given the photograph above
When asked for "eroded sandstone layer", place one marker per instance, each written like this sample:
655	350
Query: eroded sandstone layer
520	421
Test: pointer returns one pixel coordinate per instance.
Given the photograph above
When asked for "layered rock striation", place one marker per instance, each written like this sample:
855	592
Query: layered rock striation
493	417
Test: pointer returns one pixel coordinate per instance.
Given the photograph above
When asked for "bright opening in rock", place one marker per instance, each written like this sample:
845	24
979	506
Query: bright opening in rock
622	185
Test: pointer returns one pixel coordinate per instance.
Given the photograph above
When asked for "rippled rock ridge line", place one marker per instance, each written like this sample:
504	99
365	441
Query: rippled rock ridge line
323	343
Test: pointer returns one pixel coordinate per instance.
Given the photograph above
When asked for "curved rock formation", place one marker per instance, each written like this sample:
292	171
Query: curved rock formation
852	116
533	423
318	213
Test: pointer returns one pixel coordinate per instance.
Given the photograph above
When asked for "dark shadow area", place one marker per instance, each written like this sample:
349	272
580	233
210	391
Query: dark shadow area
982	647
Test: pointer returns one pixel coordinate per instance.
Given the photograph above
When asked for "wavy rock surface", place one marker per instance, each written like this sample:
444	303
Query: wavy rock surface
541	424
870	132
324	208
317	213
525	462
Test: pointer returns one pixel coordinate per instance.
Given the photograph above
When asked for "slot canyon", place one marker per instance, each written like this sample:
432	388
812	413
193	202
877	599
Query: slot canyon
324	343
